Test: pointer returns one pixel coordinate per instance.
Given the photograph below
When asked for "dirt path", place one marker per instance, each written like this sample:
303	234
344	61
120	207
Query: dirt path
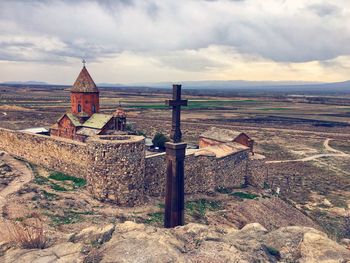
336	153
16	184
329	148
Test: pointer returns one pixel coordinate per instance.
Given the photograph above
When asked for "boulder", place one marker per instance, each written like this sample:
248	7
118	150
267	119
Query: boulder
316	247
62	253
133	242
94	235
305	244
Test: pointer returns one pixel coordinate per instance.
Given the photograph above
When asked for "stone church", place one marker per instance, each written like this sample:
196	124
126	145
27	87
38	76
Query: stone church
83	119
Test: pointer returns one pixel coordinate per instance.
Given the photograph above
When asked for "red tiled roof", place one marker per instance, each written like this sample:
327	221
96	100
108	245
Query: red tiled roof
84	83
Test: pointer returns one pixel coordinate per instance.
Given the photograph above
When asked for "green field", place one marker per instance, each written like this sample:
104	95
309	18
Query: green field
197	104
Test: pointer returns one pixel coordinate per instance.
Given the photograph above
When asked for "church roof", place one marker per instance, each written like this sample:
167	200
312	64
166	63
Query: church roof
84	82
97	121
221	135
221	150
74	119
88	131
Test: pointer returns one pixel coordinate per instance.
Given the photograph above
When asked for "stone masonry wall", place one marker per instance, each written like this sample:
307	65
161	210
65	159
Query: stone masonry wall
202	174
113	166
58	154
118	169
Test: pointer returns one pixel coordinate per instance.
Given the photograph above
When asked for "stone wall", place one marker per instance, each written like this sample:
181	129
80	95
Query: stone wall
59	154
257	173
202	173
112	165
116	168
284	176
117	172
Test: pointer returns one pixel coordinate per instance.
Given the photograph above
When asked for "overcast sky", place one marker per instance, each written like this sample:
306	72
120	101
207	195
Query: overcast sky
133	41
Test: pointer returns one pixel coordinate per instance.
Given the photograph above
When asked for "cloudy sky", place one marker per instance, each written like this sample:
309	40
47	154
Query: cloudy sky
134	41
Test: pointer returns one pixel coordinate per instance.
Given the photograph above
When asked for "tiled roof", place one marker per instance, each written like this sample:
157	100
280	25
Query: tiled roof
97	121
74	119
88	131
84	83
221	135
221	150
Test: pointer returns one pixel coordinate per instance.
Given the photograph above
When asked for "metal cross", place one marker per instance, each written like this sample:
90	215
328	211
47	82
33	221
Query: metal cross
84	62
176	103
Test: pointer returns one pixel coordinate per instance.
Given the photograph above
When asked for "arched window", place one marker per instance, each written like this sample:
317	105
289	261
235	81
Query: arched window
93	108
79	108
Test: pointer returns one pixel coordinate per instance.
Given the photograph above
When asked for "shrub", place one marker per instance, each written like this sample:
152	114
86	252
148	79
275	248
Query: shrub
198	208
244	195
28	237
159	140
273	252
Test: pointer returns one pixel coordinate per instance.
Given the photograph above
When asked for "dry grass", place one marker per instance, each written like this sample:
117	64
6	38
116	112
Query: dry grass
26	236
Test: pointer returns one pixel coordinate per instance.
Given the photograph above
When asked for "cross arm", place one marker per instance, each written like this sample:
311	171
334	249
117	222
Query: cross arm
176	102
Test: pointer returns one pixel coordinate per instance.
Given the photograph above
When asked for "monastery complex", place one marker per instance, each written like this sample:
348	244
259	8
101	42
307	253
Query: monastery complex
87	143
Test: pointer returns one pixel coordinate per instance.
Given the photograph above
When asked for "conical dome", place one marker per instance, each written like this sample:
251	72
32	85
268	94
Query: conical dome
84	83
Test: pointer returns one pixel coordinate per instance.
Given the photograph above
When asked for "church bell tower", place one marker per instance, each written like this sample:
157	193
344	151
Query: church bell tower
85	100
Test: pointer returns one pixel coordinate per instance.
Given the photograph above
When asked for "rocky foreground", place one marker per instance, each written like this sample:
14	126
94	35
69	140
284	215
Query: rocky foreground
131	242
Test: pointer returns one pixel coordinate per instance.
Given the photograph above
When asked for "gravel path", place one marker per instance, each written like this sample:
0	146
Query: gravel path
26	176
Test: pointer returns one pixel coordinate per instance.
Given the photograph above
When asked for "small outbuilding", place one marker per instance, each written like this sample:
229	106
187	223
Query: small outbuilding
37	130
216	136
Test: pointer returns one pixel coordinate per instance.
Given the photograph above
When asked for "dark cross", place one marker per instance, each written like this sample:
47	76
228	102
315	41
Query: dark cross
175	155
84	62
176	103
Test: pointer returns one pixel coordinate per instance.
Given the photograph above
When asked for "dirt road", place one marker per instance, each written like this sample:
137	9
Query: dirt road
26	175
336	153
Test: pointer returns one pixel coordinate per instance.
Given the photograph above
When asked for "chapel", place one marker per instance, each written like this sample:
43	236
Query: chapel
84	119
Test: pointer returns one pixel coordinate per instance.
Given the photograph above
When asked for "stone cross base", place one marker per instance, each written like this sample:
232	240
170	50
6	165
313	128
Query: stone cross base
174	193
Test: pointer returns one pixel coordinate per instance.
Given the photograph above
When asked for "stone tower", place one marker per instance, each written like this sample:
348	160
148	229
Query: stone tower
84	95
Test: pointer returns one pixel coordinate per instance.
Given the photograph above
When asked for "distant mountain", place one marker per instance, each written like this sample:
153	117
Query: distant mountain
262	86
228	84
31	82
106	85
224	86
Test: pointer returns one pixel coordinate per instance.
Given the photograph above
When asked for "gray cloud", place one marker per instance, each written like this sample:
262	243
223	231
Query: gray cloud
324	9
283	31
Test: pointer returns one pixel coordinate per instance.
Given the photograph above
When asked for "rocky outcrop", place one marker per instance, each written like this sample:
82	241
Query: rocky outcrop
93	235
131	242
61	253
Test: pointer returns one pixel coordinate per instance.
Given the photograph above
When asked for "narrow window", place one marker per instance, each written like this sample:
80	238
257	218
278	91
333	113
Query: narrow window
79	108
